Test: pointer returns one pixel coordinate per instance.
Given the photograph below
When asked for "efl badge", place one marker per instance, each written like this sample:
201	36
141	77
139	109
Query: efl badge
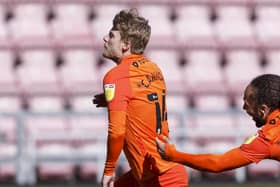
109	91
250	139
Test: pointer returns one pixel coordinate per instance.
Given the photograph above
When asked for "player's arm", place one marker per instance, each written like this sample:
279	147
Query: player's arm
115	140
205	162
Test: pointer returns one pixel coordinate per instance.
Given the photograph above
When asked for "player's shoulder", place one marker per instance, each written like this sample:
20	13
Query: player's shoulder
117	72
271	130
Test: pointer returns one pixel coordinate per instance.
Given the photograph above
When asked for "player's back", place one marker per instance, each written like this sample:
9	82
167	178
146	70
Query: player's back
146	117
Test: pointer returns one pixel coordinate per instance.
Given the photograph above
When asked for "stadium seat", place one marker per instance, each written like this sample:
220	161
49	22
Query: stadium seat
233	27
61	167
89	147
207	128
47	129
8	80
8	148
236	70
71	27
273	65
176	103
245	126
46	104
266	26
238	101
266	169
82	127
102	22
199	81
212	103
84	103
49	142
8	168
167	61
29	27
38	73
162	33
8	126
79	73
10	104
196	16
176	126
5	41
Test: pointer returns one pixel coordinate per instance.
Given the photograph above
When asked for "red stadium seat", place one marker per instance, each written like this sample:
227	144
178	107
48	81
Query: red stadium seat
29	27
46	103
62	169
236	70
8	148
89	147
233	27
267	24
10	104
8	80
200	81
38	73
101	24
49	142
266	169
79	73
190	17
8	169
71	27
207	127
212	103
167	60
273	65
176	103
163	32
5	41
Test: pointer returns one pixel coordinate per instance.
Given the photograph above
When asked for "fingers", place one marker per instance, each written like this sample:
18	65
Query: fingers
99	100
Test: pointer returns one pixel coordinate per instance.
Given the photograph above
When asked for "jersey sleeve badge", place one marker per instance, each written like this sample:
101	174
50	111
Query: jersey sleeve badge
250	139
109	91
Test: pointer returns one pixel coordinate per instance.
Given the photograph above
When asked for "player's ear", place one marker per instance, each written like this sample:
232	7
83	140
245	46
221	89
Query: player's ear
126	45
264	109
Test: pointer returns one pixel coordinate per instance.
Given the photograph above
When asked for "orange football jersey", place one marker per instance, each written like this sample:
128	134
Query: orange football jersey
135	89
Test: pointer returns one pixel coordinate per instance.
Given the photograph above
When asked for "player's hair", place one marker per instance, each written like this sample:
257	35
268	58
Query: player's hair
133	28
267	90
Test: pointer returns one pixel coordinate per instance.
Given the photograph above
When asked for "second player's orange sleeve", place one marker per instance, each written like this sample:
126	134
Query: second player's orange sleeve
208	162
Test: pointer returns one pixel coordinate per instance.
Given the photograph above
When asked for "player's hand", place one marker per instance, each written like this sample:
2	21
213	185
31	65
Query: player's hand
162	143
107	181
99	100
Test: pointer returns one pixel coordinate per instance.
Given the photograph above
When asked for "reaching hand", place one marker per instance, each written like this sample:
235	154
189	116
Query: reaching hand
162	145
107	181
99	100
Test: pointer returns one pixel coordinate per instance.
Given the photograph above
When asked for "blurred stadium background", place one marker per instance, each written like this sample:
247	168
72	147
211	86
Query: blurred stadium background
51	66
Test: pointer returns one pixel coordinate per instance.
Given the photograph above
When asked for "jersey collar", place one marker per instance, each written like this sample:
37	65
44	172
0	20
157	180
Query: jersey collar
129	58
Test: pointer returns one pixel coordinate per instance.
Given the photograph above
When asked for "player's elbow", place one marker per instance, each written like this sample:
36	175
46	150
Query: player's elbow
117	135
216	166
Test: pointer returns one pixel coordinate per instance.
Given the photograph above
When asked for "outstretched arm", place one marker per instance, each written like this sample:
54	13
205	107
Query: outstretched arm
204	162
